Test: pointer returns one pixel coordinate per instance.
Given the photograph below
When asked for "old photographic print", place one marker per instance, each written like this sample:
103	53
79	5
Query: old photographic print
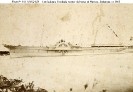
66	47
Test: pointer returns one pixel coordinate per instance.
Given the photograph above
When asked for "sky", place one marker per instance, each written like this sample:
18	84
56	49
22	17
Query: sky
45	24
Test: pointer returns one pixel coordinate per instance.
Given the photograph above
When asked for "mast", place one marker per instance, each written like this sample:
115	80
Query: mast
81	39
42	35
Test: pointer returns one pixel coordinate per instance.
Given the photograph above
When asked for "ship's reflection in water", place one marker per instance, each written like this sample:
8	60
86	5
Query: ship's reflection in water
90	73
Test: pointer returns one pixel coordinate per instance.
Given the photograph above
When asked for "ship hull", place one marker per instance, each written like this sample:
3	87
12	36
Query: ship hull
63	48
44	52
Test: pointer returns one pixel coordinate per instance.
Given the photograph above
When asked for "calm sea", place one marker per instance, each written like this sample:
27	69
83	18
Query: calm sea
112	72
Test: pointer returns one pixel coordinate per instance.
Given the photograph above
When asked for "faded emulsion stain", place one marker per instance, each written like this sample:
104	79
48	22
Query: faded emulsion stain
66	17
85	86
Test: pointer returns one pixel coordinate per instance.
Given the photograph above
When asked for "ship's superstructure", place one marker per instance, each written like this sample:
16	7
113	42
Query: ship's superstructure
62	48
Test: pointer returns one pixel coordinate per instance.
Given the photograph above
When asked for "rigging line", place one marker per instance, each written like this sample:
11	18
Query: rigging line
100	28
112	30
96	34
95	37
42	35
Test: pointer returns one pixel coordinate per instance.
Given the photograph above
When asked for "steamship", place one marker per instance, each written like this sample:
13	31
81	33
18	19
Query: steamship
63	48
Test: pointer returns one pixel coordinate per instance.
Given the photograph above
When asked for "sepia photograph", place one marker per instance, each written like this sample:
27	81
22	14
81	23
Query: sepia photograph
66	47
